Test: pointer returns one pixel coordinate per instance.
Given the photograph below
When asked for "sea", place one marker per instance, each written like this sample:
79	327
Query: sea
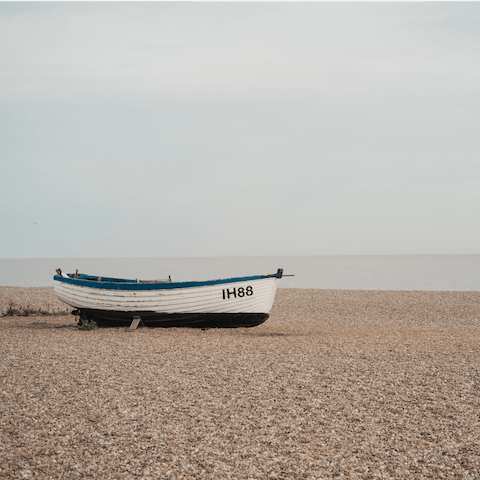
346	272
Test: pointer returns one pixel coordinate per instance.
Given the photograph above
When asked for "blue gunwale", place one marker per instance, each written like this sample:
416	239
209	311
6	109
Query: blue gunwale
107	283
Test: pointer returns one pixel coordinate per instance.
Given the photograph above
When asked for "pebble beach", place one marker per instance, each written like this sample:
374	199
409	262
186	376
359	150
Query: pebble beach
336	383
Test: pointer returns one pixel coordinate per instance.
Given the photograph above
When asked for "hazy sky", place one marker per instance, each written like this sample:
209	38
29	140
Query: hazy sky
192	129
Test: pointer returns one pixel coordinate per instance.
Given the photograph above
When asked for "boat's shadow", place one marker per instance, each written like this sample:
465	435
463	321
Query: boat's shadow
250	332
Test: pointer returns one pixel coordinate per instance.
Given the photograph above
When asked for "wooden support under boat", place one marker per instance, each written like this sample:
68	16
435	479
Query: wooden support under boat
134	324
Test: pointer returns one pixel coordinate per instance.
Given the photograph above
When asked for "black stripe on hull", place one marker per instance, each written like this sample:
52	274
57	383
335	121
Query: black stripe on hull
191	320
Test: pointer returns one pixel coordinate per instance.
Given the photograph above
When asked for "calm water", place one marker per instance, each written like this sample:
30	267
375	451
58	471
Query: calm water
382	272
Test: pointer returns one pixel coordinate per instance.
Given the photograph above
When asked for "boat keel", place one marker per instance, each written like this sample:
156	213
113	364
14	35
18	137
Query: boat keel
190	320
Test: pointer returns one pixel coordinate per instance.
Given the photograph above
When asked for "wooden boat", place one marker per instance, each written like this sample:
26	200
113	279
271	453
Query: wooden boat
231	302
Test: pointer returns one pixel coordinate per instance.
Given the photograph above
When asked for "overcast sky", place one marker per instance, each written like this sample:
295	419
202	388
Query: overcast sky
192	129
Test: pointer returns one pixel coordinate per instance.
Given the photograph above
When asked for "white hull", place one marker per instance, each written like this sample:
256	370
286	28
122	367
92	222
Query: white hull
220	298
